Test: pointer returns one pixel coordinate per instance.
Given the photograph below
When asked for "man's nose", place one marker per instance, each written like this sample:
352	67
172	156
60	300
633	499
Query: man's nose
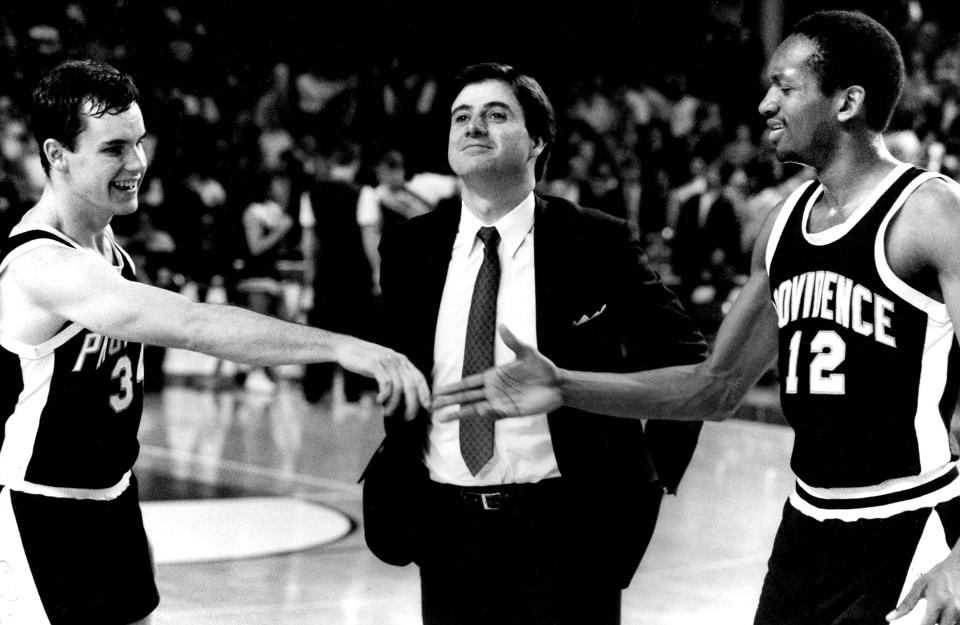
768	105
136	159
476	126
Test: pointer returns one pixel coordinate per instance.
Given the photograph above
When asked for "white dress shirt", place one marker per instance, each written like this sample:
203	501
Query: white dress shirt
522	450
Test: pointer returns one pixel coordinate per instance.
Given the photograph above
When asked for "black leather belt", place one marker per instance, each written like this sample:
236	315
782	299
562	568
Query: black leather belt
495	497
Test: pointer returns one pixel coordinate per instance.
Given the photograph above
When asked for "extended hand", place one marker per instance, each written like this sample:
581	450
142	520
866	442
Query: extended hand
528	385
396	376
940	586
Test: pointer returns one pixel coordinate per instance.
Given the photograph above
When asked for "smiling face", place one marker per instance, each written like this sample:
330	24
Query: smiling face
488	134
106	166
802	119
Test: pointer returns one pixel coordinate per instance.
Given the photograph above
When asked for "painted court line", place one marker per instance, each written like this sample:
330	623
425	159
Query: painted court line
300	479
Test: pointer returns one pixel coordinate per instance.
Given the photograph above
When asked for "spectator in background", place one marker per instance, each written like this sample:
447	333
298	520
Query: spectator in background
741	149
265	224
338	270
706	245
21	167
205	246
386	203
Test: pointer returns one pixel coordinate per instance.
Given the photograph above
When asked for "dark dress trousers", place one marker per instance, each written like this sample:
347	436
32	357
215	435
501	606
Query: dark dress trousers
613	472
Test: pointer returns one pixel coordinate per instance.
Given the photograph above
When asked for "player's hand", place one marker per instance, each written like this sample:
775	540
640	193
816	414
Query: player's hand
397	378
940	586
528	385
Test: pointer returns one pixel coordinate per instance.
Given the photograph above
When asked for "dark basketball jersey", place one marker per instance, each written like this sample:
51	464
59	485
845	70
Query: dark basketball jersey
71	406
868	366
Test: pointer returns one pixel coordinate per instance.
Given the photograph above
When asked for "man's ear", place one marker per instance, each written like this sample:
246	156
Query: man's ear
537	145
850	102
54	151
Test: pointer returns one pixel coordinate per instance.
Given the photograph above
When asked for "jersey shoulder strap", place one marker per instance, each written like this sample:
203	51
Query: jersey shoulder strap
20	239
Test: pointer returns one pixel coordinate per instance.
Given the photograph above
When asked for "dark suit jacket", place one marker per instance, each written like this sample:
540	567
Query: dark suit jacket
584	260
693	245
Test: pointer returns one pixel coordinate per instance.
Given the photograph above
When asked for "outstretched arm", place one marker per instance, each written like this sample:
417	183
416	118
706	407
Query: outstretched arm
745	347
68	285
710	390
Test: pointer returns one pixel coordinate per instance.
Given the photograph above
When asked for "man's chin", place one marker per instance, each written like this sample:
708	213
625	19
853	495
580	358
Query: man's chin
127	208
784	155
472	167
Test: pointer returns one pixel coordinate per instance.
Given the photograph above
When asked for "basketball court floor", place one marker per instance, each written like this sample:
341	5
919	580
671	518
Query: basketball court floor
253	508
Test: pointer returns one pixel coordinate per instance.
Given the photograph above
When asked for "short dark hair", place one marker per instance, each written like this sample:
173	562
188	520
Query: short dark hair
537	111
64	90
855	49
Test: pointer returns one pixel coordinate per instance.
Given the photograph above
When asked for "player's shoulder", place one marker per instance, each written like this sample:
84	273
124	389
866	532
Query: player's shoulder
928	225
936	195
931	210
34	242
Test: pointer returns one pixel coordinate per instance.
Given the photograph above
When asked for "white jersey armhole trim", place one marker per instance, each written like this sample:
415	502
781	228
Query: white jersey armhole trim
120	253
934	309
28	247
21	228
781	221
46	348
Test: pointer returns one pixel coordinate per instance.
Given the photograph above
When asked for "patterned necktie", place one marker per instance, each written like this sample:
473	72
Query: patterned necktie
476	433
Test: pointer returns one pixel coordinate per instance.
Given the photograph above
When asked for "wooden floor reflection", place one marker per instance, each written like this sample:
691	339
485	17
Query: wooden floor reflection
705	563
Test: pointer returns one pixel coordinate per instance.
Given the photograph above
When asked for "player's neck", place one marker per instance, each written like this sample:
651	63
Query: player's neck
855	170
56	212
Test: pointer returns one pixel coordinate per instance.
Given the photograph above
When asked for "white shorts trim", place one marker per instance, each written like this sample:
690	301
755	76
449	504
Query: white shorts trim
98	494
889	489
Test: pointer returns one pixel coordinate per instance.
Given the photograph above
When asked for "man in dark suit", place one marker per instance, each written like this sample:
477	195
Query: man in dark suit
542	519
706	245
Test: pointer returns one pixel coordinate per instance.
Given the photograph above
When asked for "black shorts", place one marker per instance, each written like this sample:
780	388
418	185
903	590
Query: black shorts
845	572
69	561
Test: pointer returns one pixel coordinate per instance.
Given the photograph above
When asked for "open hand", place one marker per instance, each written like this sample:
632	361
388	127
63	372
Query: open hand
940	586
529	385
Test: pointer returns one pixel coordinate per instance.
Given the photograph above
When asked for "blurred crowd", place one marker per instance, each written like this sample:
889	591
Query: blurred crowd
271	179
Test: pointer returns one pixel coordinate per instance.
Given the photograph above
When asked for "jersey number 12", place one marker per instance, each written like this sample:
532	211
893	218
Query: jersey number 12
829	351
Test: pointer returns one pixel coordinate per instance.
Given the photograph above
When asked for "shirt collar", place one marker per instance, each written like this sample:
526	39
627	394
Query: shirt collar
513	226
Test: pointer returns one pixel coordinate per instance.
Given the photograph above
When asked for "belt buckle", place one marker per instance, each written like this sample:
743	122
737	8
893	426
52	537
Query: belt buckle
492	501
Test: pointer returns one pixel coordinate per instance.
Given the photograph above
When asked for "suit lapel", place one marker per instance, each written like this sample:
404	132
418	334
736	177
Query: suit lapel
551	260
430	272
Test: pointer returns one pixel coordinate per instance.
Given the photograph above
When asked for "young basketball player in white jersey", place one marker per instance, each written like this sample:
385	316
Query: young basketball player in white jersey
72	324
855	283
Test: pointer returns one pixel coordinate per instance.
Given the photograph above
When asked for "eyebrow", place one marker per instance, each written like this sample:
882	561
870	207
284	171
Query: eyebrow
488	105
775	78
111	142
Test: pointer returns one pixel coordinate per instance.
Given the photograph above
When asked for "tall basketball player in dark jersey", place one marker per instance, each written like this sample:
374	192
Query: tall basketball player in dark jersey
855	283
72	324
